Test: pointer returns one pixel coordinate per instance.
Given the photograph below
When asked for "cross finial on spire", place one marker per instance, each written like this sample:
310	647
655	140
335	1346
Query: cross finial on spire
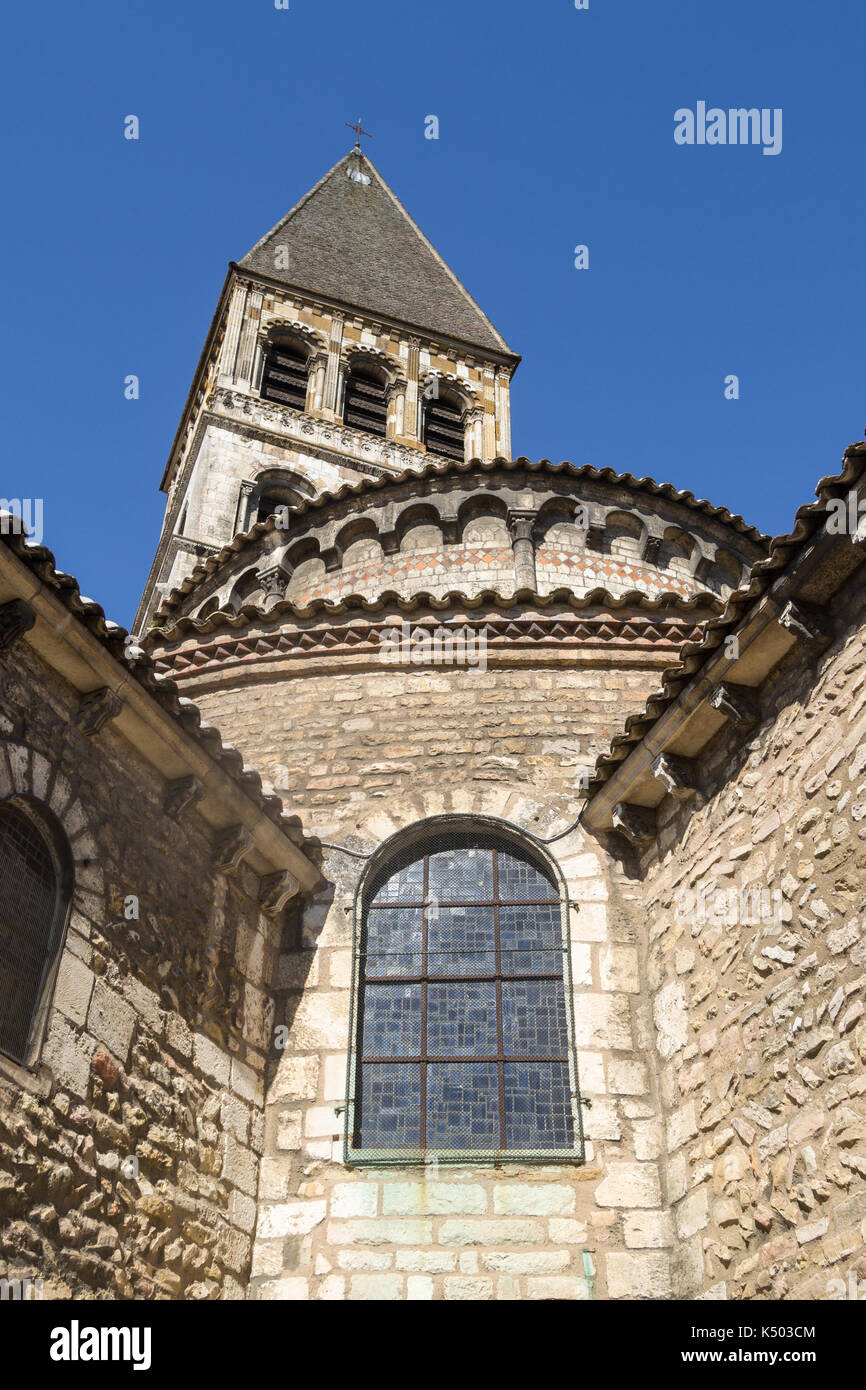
359	131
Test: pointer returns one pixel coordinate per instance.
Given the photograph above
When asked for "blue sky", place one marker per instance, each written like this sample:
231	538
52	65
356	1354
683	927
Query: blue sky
556	129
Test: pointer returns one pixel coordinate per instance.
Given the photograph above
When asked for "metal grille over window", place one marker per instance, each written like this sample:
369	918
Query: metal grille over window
443	428
284	377
462	1023
366	404
29	894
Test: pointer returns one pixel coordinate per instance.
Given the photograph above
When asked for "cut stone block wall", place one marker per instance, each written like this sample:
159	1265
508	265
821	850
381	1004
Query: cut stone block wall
340	739
475	1231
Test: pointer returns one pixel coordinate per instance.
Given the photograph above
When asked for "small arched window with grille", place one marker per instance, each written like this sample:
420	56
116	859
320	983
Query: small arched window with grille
284	375
36	887
462	1026
366	401
444	432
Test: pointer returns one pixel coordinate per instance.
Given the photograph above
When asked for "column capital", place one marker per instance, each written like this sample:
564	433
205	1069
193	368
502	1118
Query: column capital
274	580
521	523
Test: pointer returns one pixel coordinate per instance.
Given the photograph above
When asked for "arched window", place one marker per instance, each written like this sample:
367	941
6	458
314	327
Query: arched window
271	498
284	375
460	1043
34	898
273	489
443	431
366	400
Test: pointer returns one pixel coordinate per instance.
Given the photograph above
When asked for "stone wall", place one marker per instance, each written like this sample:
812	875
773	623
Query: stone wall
756	958
367	753
129	1151
476	1231
337	738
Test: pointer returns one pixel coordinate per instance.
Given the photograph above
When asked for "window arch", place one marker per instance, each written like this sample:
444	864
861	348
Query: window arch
443	427
212	606
461	1034
244	590
273	488
35	871
365	404
285	373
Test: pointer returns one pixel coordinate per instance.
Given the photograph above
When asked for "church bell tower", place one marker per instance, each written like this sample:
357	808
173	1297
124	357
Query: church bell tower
343	347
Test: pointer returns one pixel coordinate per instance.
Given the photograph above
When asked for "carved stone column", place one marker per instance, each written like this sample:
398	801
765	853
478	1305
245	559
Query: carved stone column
242	514
249	337
488	424
411	426
396	396
474	421
503	413
229	349
332	372
317	365
521	525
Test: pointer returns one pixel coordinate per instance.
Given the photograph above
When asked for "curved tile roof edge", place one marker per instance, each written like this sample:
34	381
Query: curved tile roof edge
113	637
439	470
693	654
358	603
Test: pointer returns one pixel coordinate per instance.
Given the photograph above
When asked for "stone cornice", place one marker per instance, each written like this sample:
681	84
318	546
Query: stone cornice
785	608
392	605
568	639
117	683
399	328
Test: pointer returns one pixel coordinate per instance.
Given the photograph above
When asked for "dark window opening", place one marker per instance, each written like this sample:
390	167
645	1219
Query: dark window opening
284	377
31	922
443	428
271	500
366	406
462	1034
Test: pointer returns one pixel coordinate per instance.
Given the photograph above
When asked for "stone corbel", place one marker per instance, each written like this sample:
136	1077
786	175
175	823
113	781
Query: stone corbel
595	535
276	889
230	848
181	795
96	709
737	703
651	547
678	776
636	823
808	623
16	618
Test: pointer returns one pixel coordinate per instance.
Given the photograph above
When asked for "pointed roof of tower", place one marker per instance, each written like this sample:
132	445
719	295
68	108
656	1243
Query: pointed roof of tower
351	239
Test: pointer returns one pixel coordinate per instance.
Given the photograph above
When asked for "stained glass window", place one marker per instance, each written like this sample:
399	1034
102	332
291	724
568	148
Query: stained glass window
461	1023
